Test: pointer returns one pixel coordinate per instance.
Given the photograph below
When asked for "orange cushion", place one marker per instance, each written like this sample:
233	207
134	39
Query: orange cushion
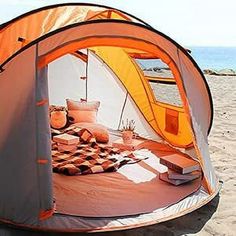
82	106
82	111
76	116
58	119
100	132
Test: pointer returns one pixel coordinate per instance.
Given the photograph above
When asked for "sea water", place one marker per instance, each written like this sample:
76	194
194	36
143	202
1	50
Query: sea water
216	58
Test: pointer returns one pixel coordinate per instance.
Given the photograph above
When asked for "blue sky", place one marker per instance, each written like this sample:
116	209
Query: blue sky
189	22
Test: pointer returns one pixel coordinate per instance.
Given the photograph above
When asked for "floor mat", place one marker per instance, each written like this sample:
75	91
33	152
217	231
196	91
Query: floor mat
134	189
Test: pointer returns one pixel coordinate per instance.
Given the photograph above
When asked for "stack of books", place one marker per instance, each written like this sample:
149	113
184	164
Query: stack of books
66	142
181	169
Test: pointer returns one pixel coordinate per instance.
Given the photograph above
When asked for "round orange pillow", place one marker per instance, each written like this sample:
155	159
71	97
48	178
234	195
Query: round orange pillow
100	132
58	119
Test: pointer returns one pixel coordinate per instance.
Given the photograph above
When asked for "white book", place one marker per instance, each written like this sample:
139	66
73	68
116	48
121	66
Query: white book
190	176
66	139
164	177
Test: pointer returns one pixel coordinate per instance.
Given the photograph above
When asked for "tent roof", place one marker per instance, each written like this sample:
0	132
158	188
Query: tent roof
17	33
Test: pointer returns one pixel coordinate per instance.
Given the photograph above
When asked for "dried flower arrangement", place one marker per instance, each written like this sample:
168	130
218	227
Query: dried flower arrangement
128	125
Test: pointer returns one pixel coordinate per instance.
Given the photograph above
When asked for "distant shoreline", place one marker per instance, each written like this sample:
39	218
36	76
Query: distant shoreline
155	71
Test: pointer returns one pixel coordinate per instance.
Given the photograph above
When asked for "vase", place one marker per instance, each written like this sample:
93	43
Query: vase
127	136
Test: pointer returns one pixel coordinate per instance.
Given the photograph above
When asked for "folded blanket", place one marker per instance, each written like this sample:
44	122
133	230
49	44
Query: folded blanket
90	157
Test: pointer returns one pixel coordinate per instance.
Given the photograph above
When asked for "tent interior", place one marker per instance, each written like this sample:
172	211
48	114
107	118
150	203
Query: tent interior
135	188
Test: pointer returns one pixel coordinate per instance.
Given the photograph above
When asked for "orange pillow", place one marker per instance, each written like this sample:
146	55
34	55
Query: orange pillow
100	132
58	119
76	116
82	111
82	106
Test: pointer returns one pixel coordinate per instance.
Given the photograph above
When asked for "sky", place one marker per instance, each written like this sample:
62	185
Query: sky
189	22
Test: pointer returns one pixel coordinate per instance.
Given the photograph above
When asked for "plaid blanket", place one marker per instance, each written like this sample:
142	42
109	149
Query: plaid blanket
89	157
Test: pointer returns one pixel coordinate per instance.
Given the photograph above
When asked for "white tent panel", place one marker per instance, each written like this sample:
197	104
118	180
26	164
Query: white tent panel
131	112
116	104
104	86
65	79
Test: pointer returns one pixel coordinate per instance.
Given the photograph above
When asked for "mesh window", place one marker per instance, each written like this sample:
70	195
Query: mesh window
161	81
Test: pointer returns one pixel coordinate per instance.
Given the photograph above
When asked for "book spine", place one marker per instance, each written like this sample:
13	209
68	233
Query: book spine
172	166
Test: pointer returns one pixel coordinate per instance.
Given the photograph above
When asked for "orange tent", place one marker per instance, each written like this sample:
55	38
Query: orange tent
40	49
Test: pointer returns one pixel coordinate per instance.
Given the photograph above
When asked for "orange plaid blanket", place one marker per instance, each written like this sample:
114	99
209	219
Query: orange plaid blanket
89	157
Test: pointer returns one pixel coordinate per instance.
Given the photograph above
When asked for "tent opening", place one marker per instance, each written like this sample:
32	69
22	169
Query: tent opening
110	76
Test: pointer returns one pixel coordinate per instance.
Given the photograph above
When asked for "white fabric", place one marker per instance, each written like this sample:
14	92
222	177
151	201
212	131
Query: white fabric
65	81
130	171
104	86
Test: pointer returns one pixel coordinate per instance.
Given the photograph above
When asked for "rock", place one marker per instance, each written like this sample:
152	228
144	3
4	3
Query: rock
165	68
147	69
156	69
227	72
210	72
223	72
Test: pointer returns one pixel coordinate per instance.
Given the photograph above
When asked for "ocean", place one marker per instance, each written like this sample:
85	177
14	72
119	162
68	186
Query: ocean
216	58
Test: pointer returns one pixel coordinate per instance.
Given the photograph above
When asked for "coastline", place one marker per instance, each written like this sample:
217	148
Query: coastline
165	72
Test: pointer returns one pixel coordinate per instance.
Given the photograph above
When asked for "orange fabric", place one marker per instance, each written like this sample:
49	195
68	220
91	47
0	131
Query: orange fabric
83	57
35	25
100	132
160	79
107	14
183	138
77	116
142	55
42	161
42	102
45	214
95	41
172	121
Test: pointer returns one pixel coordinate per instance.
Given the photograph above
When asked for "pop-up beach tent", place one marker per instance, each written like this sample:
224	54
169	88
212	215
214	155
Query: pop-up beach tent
90	51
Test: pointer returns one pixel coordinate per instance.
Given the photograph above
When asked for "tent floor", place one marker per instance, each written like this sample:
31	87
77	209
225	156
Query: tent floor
133	189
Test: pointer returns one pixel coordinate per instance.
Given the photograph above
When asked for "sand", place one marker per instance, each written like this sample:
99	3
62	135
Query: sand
219	216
